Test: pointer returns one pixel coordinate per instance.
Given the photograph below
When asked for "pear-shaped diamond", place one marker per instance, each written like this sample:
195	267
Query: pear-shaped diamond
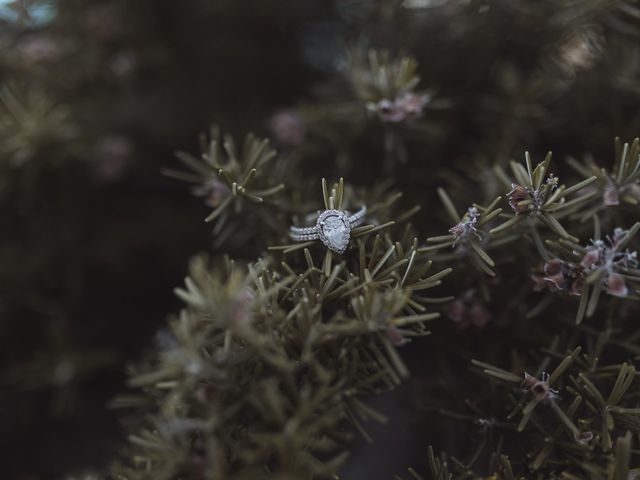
334	230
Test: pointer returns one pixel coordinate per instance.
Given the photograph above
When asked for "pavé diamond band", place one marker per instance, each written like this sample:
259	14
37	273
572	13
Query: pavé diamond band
333	227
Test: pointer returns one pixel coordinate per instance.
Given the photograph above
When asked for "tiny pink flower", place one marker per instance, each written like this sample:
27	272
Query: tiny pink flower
396	336
590	258
479	315
456	310
554	275
559	275
517	194
405	106
40	49
287	127
467	226
584	437
412	103
616	285
390	112
577	286
467	310
611	196
113	155
540	389
605	257
214	192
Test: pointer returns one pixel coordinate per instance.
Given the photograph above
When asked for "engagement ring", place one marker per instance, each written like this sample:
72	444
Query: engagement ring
333	227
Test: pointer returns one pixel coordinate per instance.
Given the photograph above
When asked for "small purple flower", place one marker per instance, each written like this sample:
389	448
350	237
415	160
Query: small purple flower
287	127
540	389
389	111
559	276
214	192
467	226
113	155
412	103
40	49
554	274
517	194
611	196
605	257
395	336
591	258
467	310
616	285
405	106
584	437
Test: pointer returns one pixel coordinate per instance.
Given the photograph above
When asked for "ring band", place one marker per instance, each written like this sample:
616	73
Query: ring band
333	227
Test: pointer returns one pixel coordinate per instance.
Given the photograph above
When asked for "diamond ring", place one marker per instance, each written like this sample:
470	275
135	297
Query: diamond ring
333	227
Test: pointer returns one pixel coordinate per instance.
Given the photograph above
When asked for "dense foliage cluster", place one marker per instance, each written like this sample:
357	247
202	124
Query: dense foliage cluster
269	362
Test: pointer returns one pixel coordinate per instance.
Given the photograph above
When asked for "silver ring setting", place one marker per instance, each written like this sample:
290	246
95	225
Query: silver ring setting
333	228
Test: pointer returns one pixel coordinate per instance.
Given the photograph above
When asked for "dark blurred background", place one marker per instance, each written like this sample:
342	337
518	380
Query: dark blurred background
93	238
96	96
